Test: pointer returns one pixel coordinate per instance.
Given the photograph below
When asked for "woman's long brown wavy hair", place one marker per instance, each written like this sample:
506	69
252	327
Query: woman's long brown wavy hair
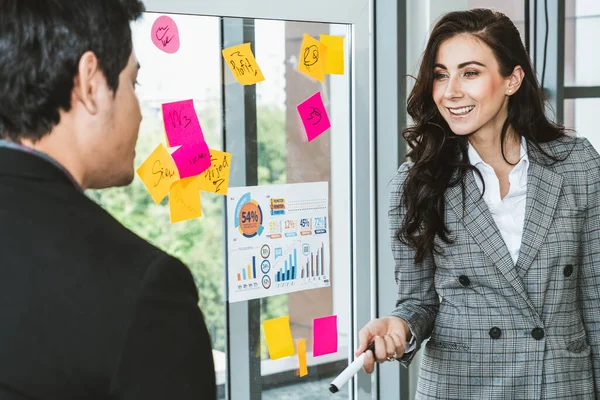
440	157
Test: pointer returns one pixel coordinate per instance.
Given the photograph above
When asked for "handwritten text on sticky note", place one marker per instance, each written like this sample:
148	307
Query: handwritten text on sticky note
278	336
215	179
192	159
181	123
184	200
334	64
158	172
242	64
165	34
313	56
303	371
314	116
325	336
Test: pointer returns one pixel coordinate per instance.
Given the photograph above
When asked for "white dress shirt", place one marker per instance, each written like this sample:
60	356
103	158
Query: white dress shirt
508	212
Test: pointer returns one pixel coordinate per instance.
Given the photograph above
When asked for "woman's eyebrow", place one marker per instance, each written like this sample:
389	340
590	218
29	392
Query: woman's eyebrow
461	65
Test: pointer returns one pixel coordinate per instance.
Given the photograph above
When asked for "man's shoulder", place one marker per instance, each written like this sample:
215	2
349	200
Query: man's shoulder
119	245
66	227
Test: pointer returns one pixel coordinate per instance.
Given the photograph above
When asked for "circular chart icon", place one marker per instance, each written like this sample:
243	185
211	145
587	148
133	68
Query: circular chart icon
265	251
265	266
266	281
250	219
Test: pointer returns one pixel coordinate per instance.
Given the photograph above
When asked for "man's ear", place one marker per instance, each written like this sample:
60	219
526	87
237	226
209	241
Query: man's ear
514	80
87	82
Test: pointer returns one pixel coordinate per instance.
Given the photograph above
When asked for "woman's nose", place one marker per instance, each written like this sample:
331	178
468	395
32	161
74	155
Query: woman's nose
453	89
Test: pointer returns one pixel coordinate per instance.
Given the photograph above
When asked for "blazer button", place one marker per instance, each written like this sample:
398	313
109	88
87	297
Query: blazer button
495	333
538	333
568	270
464	280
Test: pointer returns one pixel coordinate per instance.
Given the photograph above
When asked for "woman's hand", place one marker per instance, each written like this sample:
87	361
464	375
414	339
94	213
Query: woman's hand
389	334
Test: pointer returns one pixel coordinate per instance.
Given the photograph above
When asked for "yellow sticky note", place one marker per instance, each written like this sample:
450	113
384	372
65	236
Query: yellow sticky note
216	178
242	64
302	357
334	64
313	56
158	173
184	200
278	335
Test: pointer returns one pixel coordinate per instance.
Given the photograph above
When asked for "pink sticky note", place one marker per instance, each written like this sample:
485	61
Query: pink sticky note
181	123
192	159
325	336
165	34
314	116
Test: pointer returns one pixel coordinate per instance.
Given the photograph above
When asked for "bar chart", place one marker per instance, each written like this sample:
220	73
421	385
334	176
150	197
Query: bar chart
314	264
248	272
288	272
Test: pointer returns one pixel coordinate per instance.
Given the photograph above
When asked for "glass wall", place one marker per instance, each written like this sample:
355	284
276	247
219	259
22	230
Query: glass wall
282	155
582	27
163	78
582	118
285	156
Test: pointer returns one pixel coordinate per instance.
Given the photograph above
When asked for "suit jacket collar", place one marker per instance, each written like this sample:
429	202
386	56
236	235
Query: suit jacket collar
543	190
29	165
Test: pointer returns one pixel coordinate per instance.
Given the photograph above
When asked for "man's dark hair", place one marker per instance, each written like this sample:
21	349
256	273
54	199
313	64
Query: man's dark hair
41	43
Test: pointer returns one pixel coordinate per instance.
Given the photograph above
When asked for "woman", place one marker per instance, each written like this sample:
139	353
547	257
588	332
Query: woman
496	224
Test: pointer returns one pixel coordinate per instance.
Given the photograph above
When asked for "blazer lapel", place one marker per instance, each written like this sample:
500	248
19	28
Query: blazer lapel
543	190
480	224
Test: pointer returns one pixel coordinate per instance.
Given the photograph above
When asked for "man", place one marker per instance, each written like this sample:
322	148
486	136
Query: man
88	310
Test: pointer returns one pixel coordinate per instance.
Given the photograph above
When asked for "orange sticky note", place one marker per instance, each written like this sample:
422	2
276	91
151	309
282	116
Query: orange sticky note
242	64
278	335
158	173
334	64
184	200
216	178
313	56
302	357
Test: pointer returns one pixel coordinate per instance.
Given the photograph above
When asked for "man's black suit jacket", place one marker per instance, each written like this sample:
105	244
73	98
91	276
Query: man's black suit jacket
88	310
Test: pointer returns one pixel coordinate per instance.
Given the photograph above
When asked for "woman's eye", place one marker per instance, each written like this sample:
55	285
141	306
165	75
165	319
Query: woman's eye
471	73
439	76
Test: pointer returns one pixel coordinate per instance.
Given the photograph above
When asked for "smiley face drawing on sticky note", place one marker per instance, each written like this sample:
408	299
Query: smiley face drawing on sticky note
165	34
313	55
314	116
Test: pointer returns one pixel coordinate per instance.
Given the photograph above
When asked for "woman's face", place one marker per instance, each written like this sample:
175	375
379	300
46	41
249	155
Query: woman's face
468	89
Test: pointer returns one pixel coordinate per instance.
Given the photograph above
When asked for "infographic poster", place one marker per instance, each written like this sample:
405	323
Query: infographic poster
278	239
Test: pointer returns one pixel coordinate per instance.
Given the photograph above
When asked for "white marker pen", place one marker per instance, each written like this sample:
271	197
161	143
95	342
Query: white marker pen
350	371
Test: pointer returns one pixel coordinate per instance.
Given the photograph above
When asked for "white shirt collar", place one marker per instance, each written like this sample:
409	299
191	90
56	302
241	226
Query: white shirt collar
475	159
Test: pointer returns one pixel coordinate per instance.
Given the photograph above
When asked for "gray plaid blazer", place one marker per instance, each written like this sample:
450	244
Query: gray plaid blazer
498	330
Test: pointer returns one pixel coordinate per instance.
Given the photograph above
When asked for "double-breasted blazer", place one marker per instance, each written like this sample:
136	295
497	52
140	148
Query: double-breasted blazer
503	331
